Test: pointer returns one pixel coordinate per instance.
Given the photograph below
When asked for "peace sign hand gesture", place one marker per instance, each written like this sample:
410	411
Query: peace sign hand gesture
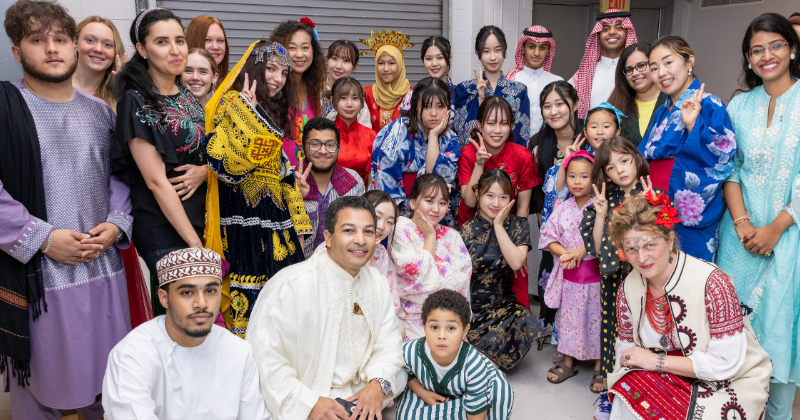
481	84
647	184
575	147
250	95
691	108
118	64
481	155
600	201
302	177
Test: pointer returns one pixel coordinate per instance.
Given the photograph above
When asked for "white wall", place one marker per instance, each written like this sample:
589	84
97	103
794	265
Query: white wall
467	17
715	36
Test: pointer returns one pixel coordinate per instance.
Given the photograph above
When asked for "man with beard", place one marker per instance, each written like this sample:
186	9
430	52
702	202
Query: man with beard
534	57
63	297
594	79
328	181
325	329
180	365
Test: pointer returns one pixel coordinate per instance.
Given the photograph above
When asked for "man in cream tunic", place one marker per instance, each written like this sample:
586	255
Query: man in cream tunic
326	328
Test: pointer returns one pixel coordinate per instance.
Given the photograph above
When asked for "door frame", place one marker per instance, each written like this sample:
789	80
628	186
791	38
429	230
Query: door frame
665	7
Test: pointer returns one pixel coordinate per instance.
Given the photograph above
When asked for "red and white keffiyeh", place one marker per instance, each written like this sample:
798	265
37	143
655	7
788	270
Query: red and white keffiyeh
519	56
585	75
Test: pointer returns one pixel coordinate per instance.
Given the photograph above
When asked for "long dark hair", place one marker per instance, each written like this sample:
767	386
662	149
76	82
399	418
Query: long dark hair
768	22
133	74
621	145
316	75
427	90
624	96
277	108
487	109
547	144
483	35
439	42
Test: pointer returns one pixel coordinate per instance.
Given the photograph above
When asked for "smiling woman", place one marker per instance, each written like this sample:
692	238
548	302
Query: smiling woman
200	75
100	55
207	32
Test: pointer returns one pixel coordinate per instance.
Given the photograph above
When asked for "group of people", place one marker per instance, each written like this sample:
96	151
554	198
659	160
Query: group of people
367	246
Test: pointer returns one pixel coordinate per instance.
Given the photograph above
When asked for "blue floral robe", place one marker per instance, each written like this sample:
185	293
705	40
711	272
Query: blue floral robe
703	160
466	104
397	152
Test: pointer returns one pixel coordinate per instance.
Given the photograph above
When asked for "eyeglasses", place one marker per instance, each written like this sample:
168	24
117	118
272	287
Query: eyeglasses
315	145
759	51
640	67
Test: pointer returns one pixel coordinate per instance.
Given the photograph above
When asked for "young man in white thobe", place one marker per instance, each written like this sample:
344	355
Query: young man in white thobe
180	365
594	79
326	328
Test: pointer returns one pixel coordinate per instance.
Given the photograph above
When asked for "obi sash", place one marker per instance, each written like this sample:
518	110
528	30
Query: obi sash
588	272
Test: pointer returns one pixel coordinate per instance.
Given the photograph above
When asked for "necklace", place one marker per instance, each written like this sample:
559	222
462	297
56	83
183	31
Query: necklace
659	315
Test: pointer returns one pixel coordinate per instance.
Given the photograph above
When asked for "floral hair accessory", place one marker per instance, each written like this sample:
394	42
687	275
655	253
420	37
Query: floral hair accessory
379	39
668	215
313	26
274	52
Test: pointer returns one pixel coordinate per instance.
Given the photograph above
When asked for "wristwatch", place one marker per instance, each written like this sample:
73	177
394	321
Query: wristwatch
386	387
120	236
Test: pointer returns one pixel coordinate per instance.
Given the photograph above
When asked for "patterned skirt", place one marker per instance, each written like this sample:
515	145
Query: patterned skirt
503	329
651	396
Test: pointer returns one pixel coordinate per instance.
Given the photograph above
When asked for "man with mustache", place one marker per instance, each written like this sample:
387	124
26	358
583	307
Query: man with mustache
180	365
63	298
534	57
328	181
594	79
324	331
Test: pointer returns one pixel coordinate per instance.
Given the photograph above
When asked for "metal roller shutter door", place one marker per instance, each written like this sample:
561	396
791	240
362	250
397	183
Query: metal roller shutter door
246	21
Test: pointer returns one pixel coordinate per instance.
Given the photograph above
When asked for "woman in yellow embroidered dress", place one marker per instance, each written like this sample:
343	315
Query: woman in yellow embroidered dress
255	210
384	97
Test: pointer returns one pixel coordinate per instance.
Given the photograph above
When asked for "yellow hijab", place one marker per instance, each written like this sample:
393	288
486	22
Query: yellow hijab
388	96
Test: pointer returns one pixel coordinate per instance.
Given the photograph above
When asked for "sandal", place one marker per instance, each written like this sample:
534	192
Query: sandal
596	380
558	358
562	375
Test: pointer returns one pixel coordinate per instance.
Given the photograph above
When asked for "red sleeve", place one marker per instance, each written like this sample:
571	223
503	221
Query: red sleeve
624	324
466	164
722	305
527	177
371	135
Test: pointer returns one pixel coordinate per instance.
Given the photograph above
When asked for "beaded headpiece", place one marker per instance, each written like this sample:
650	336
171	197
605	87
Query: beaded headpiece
274	52
379	39
139	20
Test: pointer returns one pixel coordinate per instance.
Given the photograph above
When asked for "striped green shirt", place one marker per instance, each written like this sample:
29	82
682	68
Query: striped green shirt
473	386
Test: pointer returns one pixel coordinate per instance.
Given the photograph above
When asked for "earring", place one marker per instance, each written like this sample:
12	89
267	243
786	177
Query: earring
279	95
792	56
750	66
670	259
145	57
690	70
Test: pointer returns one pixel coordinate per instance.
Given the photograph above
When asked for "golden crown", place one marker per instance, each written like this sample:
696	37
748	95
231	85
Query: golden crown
379	39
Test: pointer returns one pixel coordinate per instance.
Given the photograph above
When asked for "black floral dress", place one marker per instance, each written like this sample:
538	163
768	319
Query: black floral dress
501	329
612	272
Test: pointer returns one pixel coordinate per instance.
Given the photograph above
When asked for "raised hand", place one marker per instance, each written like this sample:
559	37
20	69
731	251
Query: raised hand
503	215
600	202
118	63
647	184
481	155
425	225
302	177
440	127
575	147
249	93
481	84
691	107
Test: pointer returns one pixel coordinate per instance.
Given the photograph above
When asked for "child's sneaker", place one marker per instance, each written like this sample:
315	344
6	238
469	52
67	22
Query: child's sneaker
603	411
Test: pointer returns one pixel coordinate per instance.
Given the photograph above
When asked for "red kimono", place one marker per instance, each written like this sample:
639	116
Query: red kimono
379	116
355	147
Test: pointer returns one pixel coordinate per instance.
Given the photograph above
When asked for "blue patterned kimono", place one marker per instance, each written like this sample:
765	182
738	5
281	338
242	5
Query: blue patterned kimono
703	160
466	104
397	152
768	170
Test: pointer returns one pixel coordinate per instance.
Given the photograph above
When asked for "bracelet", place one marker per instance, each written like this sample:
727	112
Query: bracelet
49	242
662	360
738	221
790	212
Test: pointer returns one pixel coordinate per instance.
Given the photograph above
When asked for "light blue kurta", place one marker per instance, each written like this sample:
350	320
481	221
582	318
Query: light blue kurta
767	166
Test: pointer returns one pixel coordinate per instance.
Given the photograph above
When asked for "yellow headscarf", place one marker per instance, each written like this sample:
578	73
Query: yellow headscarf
388	96
213	231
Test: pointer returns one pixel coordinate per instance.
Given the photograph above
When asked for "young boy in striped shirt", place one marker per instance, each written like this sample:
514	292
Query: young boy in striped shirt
447	377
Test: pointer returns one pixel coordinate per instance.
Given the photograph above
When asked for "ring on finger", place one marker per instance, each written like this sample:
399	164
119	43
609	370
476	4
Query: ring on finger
185	185
185	167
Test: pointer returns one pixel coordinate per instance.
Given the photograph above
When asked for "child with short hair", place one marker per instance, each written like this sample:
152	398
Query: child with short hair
448	378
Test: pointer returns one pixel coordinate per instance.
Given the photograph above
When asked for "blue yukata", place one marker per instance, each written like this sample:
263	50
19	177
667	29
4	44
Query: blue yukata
767	167
466	105
398	157
703	159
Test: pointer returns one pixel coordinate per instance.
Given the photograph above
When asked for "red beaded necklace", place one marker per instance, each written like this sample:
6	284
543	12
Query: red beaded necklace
659	315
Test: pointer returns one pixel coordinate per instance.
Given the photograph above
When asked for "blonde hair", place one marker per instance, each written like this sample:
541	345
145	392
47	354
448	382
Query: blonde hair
104	91
637	214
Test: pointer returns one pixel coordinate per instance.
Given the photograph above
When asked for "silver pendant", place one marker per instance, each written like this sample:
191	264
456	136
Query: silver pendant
664	341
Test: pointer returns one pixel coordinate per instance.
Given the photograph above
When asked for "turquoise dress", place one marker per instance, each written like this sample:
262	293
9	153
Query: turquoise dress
767	166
